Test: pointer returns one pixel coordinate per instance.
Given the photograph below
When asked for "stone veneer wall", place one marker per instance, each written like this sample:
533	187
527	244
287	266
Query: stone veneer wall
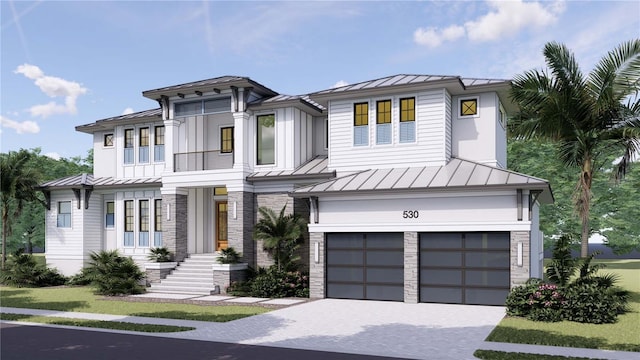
174	230
240	229
301	207
316	270
411	267
224	278
519	274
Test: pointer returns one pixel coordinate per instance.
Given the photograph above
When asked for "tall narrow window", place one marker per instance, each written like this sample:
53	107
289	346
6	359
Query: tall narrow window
361	124
143	222
128	146
266	139
407	120
109	218
383	122
128	223
226	140
143	151
326	133
158	150
157	223
64	214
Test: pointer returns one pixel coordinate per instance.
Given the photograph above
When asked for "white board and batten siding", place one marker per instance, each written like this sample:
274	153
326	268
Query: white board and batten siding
150	168
428	149
472	211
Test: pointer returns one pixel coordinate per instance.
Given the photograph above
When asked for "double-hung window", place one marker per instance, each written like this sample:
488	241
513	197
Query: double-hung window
158	150
157	223
143	151
128	223
143	222
407	120
383	122
361	124
128	146
226	140
266	139
64	214
109	218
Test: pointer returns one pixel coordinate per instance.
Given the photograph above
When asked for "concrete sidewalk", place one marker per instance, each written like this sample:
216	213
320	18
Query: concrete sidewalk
416	331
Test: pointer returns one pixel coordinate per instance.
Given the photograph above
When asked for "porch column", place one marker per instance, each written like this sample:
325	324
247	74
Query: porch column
411	267
243	144
174	218
240	221
170	143
316	265
519	254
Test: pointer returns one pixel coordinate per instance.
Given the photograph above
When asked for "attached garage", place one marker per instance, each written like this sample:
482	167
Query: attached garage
464	268
365	266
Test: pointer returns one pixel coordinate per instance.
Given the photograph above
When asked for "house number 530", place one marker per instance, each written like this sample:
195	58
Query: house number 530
410	214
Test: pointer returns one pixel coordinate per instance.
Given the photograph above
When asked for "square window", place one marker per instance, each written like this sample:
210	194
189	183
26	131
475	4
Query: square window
108	140
468	107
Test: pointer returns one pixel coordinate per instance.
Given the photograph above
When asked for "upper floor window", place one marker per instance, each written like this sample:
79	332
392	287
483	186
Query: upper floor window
202	107
407	120
109	219
108	140
266	139
226	140
361	124
143	151
469	107
326	133
64	214
128	146
158	151
383	122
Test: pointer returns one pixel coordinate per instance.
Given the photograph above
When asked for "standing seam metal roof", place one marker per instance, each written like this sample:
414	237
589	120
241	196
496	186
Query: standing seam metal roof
87	180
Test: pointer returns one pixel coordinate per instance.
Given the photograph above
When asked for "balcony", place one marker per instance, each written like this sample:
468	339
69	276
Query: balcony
202	160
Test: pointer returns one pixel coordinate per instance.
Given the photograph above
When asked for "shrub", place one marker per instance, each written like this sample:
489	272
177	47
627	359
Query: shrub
23	270
159	254
273	283
229	256
536	301
591	302
113	274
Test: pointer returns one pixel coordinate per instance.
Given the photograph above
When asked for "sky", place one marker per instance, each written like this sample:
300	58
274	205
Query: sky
69	63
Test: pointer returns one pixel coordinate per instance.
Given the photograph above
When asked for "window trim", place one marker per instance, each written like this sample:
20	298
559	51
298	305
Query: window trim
130	148
147	146
402	122
107	213
66	215
104	140
467	98
326	133
156	145
358	122
223	150
258	116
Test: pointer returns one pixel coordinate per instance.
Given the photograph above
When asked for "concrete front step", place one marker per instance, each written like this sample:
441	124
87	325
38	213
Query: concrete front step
192	283
181	290
184	276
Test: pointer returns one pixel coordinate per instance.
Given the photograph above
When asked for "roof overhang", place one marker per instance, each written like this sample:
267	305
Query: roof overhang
215	84
298	103
107	124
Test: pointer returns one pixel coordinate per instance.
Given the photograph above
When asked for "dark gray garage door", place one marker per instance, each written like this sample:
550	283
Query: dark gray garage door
365	266
464	268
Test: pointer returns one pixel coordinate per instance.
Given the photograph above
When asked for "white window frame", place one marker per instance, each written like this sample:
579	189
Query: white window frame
459	107
65	216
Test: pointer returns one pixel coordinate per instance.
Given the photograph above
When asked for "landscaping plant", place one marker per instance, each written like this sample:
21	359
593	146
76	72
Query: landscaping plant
23	270
113	274
159	254
281	235
229	256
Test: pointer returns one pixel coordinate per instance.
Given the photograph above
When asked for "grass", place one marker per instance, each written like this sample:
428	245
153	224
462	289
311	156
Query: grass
116	325
82	299
501	355
622	335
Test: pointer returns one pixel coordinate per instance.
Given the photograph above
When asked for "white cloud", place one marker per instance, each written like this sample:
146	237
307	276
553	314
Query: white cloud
53	87
340	83
54	155
127	111
23	127
506	19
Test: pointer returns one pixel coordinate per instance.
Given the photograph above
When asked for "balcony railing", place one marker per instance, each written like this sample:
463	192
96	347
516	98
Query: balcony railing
202	160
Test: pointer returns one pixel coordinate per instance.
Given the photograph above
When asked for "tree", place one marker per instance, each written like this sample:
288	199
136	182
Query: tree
585	116
18	184
281	235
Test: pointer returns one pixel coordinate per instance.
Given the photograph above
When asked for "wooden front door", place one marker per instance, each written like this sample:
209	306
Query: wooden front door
221	225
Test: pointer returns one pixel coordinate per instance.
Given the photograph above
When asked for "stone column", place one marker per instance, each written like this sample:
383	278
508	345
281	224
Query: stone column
317	268
240	226
519	273
275	202
411	267
174	223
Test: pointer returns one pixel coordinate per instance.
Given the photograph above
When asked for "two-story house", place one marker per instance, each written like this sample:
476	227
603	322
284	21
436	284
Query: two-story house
403	180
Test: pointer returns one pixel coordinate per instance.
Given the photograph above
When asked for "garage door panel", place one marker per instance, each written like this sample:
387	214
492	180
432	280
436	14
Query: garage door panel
345	291
486	241
442	241
385	275
485	296
487	259
345	241
385	292
385	241
440	277
345	257
450	295
345	274
487	278
385	258
441	258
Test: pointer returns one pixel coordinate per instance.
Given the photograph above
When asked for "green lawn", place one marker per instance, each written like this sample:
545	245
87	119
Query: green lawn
117	325
502	355
622	335
82	299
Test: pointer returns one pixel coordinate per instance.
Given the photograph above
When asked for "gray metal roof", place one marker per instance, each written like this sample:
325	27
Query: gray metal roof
87	180
458	174
220	81
279	99
151	114
315	168
394	80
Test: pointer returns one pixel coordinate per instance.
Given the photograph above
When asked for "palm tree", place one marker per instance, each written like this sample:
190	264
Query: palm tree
17	185
586	117
281	235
